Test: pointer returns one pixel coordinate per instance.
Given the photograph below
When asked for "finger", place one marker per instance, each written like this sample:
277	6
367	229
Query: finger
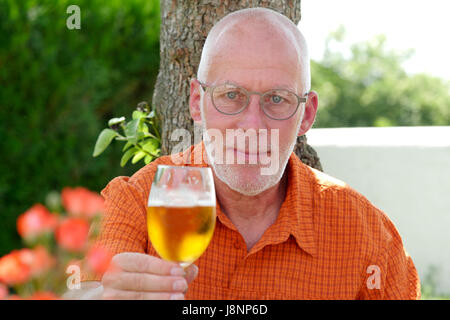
139	262
191	273
133	281
114	294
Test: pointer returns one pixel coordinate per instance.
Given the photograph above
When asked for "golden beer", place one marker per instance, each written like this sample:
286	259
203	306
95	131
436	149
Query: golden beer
181	234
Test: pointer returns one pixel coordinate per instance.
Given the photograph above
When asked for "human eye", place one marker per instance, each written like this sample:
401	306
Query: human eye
232	95
275	98
279	98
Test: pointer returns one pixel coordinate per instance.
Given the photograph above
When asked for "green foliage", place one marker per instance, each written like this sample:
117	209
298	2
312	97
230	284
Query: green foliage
429	285
141	134
368	87
58	88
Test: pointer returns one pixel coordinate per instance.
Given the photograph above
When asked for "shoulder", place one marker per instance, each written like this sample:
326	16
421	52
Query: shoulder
350	211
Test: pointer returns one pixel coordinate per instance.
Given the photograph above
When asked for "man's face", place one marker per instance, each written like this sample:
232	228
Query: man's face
256	61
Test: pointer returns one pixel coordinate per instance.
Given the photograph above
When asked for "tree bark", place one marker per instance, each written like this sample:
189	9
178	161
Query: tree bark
184	27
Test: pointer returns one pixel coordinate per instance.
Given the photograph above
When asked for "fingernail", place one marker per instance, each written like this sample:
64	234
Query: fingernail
180	285
195	269
191	272
177	271
177	296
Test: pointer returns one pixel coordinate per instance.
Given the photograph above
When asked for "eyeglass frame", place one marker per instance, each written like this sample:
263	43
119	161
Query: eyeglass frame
248	94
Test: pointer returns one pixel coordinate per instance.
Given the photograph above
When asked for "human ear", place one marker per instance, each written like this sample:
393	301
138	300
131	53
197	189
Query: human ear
310	112
194	100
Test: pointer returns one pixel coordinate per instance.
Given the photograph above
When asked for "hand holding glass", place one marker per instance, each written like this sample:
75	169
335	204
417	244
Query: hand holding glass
181	213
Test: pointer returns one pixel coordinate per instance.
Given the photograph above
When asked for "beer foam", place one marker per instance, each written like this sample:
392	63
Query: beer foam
180	197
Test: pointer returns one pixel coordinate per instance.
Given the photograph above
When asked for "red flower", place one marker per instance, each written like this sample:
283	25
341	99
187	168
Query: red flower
35	221
98	259
82	202
13	270
72	234
3	291
38	260
44	296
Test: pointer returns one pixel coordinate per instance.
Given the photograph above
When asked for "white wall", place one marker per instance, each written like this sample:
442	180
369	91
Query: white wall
405	171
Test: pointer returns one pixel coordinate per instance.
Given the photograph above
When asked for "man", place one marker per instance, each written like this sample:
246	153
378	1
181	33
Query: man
294	233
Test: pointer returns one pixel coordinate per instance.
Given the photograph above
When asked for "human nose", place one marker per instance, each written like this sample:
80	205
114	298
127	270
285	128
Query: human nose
253	115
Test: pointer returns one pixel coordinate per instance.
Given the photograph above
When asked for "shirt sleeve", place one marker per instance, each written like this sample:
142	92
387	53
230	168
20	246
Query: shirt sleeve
398	276
402	280
123	224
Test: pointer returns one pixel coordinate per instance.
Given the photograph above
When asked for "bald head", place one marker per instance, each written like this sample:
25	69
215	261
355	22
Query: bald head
258	35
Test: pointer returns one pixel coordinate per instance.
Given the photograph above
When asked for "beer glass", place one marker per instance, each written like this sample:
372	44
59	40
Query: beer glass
181	212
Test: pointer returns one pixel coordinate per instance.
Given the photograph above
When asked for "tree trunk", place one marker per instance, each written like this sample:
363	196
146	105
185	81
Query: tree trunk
184	27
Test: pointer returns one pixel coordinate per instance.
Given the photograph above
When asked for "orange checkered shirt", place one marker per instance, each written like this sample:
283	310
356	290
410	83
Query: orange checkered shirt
328	242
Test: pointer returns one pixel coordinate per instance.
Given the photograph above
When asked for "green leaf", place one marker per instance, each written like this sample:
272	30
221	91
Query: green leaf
103	141
126	156
127	145
151	136
145	128
140	135
131	130
148	159
138	114
151	146
138	156
115	121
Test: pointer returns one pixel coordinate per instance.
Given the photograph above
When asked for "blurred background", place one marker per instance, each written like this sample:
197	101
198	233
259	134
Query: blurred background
59	87
382	73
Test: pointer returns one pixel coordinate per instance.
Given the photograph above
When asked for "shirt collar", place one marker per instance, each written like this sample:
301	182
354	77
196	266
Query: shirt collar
298	204
295	215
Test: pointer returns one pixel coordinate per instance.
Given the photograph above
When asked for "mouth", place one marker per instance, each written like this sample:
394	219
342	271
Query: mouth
249	157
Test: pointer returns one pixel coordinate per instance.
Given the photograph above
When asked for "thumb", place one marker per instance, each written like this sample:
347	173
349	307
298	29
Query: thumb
191	273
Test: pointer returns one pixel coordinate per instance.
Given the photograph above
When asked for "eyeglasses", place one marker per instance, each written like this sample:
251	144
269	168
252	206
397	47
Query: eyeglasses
231	99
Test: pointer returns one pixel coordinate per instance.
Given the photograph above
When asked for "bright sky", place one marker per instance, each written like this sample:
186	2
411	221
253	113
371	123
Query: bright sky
421	25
